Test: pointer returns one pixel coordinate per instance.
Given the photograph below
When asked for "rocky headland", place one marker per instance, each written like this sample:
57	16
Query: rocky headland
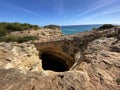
84	61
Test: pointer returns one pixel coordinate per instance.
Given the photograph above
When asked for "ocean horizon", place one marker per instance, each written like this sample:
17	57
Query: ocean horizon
72	29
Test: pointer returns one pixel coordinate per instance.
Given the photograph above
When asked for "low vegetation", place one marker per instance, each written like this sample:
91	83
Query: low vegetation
94	29
54	27
106	26
17	39
6	28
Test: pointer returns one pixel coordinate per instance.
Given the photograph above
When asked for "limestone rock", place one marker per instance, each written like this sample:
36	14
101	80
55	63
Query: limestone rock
96	67
115	47
24	57
44	32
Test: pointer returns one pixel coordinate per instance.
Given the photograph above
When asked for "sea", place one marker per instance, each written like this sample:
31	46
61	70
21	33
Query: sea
72	29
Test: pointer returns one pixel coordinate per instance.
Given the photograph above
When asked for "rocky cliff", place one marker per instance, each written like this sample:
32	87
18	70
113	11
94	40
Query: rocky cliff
65	63
41	33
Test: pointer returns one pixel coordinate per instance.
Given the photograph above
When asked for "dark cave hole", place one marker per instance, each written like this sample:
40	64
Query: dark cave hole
54	63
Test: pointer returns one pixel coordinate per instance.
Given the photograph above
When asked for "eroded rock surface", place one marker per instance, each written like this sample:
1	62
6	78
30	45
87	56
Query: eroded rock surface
95	68
24	57
42	33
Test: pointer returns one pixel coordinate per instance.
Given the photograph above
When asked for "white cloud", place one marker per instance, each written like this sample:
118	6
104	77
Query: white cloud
107	12
105	15
98	7
18	8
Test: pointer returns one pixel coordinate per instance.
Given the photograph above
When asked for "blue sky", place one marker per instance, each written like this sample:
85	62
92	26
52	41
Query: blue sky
60	12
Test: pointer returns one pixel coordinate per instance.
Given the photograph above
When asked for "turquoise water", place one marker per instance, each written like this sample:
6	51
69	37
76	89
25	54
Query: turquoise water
77	28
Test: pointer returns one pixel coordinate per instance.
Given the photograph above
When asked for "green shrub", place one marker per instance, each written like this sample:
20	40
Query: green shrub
94	28
14	27
17	39
106	26
3	32
54	27
17	26
9	39
27	38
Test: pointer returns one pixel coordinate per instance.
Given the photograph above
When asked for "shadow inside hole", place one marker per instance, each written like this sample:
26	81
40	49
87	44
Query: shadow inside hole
54	63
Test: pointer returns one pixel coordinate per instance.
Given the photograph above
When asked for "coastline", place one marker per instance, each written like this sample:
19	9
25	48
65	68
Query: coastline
74	29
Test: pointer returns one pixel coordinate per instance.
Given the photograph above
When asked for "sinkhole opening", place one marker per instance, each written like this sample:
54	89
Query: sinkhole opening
54	63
